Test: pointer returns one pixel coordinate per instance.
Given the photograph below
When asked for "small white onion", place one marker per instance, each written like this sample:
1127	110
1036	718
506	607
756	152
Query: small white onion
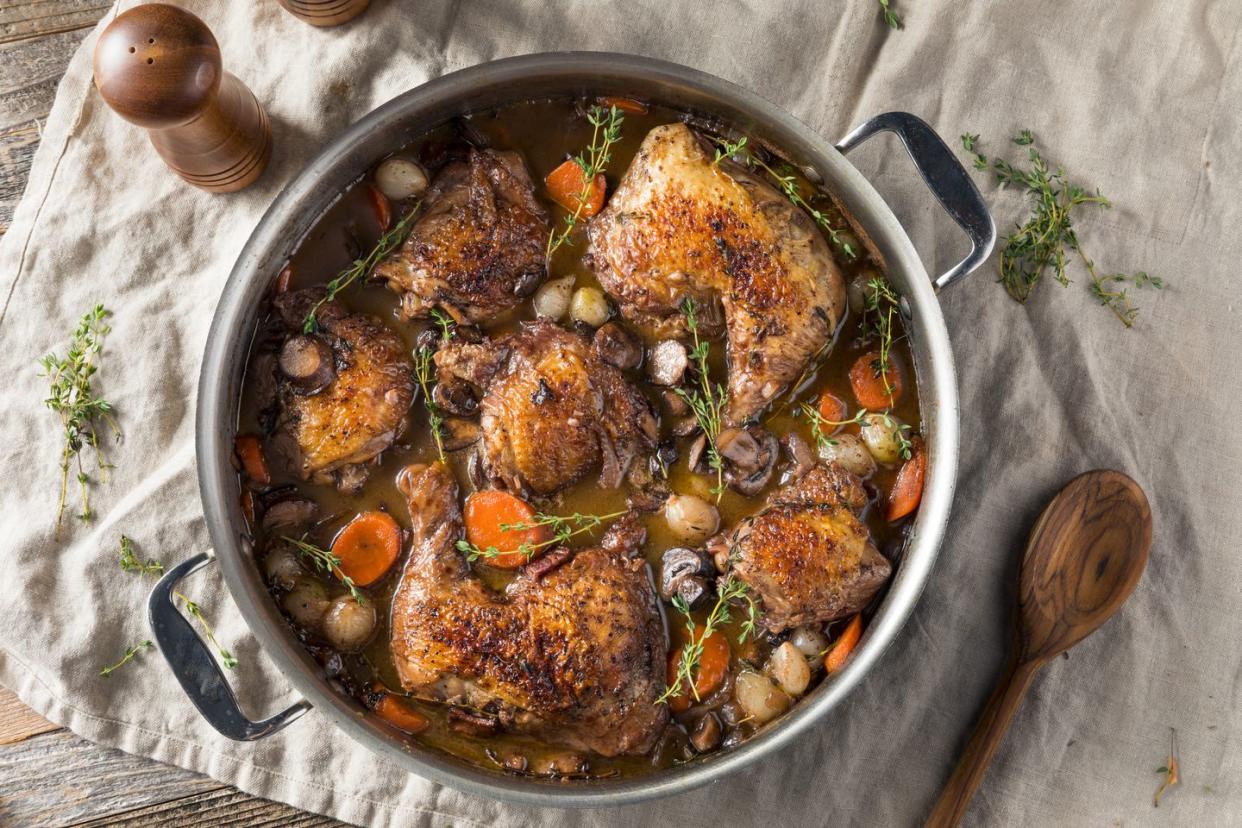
306	603
758	697
348	625
282	568
788	666
879	432
589	305
809	641
551	301
850	452
859	288
400	178
692	519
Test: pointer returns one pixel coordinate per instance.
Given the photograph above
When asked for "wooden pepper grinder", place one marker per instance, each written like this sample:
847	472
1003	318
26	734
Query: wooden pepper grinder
159	66
325	12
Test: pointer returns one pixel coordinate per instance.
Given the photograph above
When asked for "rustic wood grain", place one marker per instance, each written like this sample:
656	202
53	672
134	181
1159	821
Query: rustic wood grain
223	807
29	19
18	722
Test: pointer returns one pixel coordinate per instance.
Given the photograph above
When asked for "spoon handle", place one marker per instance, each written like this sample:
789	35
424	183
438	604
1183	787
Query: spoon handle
990	730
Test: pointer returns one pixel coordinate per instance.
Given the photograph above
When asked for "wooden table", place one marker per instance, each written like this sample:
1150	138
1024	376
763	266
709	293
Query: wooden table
48	776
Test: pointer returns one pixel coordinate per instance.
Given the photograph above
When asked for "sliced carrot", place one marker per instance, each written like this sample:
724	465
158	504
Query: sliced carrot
844	645
400	715
832	408
284	278
368	546
625	105
247	506
250	452
566	183
713	665
382	207
908	487
487	512
871	389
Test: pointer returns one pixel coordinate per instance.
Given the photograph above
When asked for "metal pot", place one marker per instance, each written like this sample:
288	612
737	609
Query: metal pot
306	198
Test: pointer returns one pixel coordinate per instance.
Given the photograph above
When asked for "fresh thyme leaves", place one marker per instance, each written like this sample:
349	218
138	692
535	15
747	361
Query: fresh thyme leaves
708	400
822	427
731	589
890	17
728	149
448	328
1041	241
879	307
84	415
1172	775
130	562
325	561
606	131
359	268
563	528
424	373
127	658
196	612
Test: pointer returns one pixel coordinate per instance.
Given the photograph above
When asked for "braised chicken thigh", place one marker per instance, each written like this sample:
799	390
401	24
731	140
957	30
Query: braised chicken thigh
576	657
551	408
478	245
681	225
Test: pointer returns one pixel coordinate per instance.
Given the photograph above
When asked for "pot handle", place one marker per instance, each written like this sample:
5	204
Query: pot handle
945	177
195	667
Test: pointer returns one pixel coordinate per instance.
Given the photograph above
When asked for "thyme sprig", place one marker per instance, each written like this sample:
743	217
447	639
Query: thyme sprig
822	428
731	589
388	242
728	149
1040	243
891	17
564	527
130	562
708	400
880	306
196	612
446	324
326	562
424	374
127	658
606	131
84	414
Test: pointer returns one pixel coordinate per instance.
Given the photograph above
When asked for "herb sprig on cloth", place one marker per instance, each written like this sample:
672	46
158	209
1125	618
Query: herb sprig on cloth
891	17
127	658
1040	244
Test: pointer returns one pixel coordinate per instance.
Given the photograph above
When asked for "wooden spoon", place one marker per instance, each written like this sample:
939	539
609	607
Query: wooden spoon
1085	555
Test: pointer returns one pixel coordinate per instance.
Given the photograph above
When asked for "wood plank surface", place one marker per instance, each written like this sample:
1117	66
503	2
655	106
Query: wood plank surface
223	807
18	722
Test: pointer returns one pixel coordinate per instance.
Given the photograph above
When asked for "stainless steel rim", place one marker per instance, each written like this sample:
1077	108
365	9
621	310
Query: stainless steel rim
477	88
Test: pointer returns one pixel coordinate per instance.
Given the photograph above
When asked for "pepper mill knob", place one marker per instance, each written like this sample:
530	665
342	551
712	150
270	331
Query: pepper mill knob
159	67
325	12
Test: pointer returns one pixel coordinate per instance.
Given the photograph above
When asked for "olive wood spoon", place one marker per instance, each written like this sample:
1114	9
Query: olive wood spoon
1084	557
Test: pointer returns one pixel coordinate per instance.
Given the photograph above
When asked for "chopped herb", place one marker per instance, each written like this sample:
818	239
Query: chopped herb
359	268
606	124
563	528
196	612
730	589
890	16
130	562
126	659
326	562
1170	770
708	400
83	413
1041	241
424	373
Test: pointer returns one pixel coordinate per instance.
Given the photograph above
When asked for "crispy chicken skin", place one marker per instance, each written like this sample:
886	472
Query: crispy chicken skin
807	555
682	226
327	435
478	246
551	410
576	658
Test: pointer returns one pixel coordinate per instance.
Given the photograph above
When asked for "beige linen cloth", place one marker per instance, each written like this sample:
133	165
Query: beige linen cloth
1142	99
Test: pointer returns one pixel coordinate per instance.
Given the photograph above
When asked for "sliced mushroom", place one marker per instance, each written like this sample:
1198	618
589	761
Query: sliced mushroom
455	396
749	483
801	458
674	403
706	734
457	434
694	457
308	363
617	347
741	449
663	458
296	512
678	564
667	362
685	427
528	283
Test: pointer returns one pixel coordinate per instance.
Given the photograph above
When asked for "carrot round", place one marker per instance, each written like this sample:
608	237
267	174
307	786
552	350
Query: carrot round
486	515
382	207
908	487
713	664
368	546
250	452
870	387
400	715
566	183
844	645
831	407
625	105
